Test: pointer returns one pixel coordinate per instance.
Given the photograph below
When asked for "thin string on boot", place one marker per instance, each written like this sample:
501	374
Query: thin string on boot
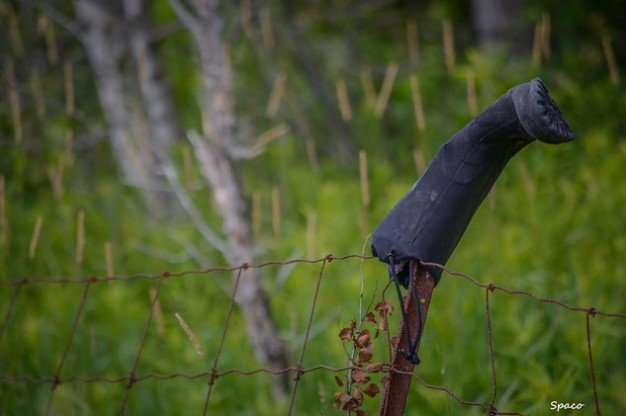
412	353
409	355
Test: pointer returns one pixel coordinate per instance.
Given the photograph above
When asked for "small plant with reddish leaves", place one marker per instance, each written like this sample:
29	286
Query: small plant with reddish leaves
358	382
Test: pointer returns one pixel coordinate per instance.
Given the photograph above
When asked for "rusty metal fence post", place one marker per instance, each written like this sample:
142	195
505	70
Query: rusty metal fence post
401	369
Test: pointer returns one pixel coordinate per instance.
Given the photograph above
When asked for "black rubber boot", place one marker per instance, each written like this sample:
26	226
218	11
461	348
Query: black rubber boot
430	219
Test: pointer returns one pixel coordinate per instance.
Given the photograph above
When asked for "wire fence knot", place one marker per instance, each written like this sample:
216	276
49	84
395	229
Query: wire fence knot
55	382
492	410
214	376
491	287
592	311
166	274
245	266
131	380
329	258
299	372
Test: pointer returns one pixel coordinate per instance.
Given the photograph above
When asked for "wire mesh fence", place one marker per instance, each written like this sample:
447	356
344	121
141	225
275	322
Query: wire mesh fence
356	372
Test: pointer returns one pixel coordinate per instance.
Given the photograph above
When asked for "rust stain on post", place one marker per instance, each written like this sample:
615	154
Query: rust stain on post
397	388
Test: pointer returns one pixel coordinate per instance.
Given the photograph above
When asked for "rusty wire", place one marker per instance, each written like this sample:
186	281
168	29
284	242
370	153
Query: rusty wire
494	287
168	274
79	312
7	314
142	343
590	313
306	336
298	371
220	344
492	360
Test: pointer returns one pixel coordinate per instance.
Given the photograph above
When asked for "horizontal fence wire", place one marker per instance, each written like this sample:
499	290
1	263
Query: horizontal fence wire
297	370
168	274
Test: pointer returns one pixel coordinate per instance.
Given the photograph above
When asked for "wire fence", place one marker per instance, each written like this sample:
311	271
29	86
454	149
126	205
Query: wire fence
297	370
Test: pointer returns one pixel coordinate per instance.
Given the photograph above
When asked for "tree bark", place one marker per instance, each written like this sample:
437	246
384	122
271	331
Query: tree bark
155	93
102	36
216	155
139	112
221	173
138	132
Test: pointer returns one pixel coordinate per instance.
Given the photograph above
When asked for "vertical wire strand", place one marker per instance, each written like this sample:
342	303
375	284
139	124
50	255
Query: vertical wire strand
213	373
592	312
492	360
79	312
144	335
306	336
7	315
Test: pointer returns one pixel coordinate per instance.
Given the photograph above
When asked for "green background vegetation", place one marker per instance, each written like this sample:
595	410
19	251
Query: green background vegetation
555	225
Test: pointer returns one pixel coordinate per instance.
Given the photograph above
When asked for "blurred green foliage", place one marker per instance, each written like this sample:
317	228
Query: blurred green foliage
554	225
